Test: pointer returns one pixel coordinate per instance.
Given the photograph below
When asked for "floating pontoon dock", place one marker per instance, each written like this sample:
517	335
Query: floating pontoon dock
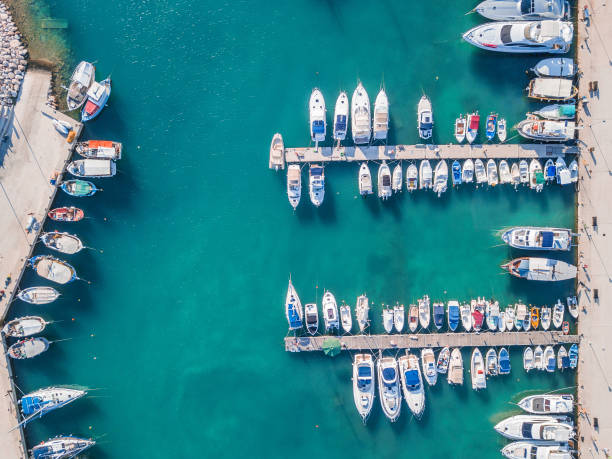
410	341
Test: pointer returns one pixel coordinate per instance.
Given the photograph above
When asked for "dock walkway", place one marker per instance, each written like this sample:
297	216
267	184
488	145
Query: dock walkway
415	341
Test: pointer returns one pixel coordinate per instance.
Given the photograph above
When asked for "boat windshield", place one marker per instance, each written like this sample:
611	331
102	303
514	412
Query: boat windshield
526	6
532	31
526	430
389	375
412	379
506	34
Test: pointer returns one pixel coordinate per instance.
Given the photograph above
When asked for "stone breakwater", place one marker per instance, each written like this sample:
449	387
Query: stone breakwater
13	58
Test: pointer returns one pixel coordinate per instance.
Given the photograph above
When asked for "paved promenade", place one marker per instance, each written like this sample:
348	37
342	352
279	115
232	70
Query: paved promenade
595	248
32	151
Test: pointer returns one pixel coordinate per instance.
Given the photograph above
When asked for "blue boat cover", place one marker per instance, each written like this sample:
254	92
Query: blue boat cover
453	313
318	127
341	122
364	372
294	319
547	239
30	405
426	126
316	170
526	429
389	374
565	362
551	171
412	378
551	365
504	364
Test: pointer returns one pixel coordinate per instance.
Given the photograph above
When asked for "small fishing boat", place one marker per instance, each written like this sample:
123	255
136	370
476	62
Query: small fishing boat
381	116
62	447
53	269
22	327
66	214
517	10
521	316
564	176
473	121
492	315
294	184
550	363
456	170
346	319
80	81
412	177
467	173
425	118
438	315
565	327
524	171
440	177
492	176
516	175
557	112
388	387
412	383
480	172
504	361
536	427
330	311
491	126
425	175
316	109
398	317
453	315
97	96
413	318
562	359
460	128
545	317
557	89
556	67
316	184
504	172
277	152
363	384
550	171
362	310
387	317
42	401
38	295
365	179
572	306
361	126
527	322
293	308
455	368
78	188
443	361
491	362
501	130
63	127
428	361
524	449
477	370
424	312
478	314
528	363
311	318
538	358
466	317
397	179
28	348
540	269
573	355
107	149
510	317
538	238
384	181
501	323
341	114
534	316
546	130
62	242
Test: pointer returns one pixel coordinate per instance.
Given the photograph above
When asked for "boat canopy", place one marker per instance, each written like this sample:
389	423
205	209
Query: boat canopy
294	318
474	121
551	171
83	73
539	178
316	170
558	88
388	375
31	405
565	362
318	127
552	364
504	364
547	239
412	378
526	430
341	122
96	91
364	371
95	167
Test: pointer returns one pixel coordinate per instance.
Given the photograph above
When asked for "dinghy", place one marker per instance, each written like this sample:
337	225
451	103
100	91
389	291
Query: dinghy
518	10
466	317
330	311
550	363
455	368
53	269
491	126
538	358
480	172
456	170
22	327
460	128
557	314
316	109
467	173
491	362
504	361
97	96
61	447
572	306
81	80
473	121
316	184
362	310
294	185
504	172
387	317
526	449
546	317
42	401
424	312
557	112
536	177
363	384
510	317
562	359
311	317
565	327
365	180
440	177
384	181
66	214
398	317
346	320
573	355
538	238
361	126
477	371
536	427
438	315
412	177
573	168
277	153
293	308
425	175
501	130
388	387
28	348
341	114
492	176
564	176
428	361
535	317
413	318
38	295
412	383
381	116
524	171
92	168
528	363
540	269
397	179
425	118
556	67
554	89
443	361
107	149
453	315
78	188
62	242
546	130
516	175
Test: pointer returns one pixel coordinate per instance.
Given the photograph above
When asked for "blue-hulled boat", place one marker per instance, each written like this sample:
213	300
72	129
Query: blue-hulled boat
38	403
456	169
293	308
491	126
63	447
550	170
573	356
78	188
504	361
454	315
97	96
438	315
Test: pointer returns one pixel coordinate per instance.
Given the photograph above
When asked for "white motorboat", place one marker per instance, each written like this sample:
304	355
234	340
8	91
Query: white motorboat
424	312
536	176
502	132
467	172
398	317
538	358
558	313
455	368
538	238
563	176
524	171
412	383
527	449
316	184
425	118
557	89
546	130
492	176
492	315
466	316
413	318
311	318
491	362
548	404
62	242
573	168
92	168
504	172
510	316
80	81
501	324
555	67
363	385
477	370
540	269
384	181
293	308
563	360
277	153
381	116
346	320
572	306
388	387
557	112
440	177
341	115
330	311
553	37
473	122
412	177
480	172
545	317
365	179
550	363
516	175
361	116
520	10
425	175
528	361
42	401
428	362
22	327
397	179
38	295
521	316
362	310
536	427
387	317
294	184
443	361
316	107
460	128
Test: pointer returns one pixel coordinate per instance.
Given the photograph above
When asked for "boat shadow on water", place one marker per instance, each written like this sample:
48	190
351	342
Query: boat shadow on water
516	65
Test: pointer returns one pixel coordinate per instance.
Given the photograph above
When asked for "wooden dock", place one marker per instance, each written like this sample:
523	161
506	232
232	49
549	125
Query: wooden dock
411	341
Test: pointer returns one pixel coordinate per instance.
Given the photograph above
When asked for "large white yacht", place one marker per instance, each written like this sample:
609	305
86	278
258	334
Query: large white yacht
341	114
522	10
363	384
381	116
316	184
317	116
412	383
294	184
389	387
361	124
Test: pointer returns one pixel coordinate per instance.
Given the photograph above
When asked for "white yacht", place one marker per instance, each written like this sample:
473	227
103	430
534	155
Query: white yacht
440	177
412	177
510	316
527	449
311	318
504	172
522	10
538	358
398	317
460	128
524	171
365	179
501	130
522	37
555	67
528	363
397	180
533	427
455	368
362	310
389	387
317	116
277	152
381	116
363	384
316	184
341	115
466	316
346	320
548	404
538	238
425	118
428	360
545	317
557	315
492	175
480	172
425	175
467	171
330	311
424	312
360	116
388	317
477	370
384	181
294	184
515	172
412	383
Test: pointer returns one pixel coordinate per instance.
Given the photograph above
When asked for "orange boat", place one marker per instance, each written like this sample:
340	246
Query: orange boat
66	214
99	149
566	328
535	318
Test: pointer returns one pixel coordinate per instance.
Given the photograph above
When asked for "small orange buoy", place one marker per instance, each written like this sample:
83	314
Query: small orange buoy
71	136
317	426
73	319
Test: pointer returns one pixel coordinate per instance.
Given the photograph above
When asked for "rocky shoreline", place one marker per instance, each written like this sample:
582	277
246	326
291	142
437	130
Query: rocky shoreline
13	58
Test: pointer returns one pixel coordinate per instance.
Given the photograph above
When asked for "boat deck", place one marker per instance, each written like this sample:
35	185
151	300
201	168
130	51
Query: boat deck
408	341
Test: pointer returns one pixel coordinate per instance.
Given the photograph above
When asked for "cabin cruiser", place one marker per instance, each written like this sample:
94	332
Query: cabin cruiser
425	175
455	368
467	171
80	81
294	184
548	404
480	172
504	172
412	177
440	177
466	317
538	238
317	116
381	116
522	10
341	114
557	315
564	175
536	176
533	427
425	118
540	269
492	175
330	311
316	184
362	310
365	179
384	181
389	387
556	67
397	179
388	317
398	317
428	361
523	37
363	384
360	116
412	383
501	130
547	130
528	363
526	449
424	311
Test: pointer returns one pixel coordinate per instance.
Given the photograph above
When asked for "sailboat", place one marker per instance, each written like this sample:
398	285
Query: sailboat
330	311
61	447
316	184
540	269
38	295
363	384
412	177
492	176
428	361
311	317
440	177
460	125
491	362
22	327
81	80
381	116
425	175
467	173
456	170
97	96
293	308
365	179
341	114
346	320
294	185
472	131
360	116
412	383
425	118
361	311
397	180
316	107
424	312
398	317
477	370
453	315
42	401
389	387
384	181
53	269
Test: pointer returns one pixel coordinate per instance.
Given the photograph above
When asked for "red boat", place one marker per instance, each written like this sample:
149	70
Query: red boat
565	327
66	214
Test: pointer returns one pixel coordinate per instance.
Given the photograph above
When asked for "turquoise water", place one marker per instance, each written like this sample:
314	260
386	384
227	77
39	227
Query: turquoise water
181	328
